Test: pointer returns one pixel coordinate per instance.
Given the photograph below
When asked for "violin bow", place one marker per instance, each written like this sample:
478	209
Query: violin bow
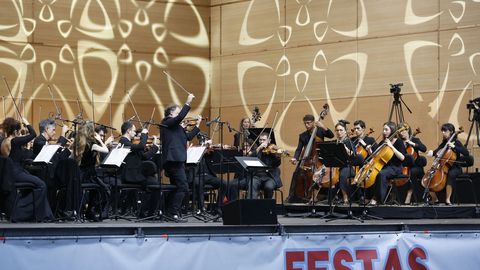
59	112
175	81
273	125
13	100
110	112
258	136
3	101
133	106
93	108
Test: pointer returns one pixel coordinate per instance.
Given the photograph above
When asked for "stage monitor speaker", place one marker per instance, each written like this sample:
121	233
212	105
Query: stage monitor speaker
249	212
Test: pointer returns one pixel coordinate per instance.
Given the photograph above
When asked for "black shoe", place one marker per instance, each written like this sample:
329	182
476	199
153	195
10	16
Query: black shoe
179	219
448	204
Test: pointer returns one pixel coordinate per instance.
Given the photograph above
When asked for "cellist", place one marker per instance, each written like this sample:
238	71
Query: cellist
303	139
455	170
393	167
413	146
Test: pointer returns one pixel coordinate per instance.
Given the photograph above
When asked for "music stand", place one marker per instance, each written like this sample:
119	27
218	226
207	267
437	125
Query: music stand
114	160
251	164
194	156
332	154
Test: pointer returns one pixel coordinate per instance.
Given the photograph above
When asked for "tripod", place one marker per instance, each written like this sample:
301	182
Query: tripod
397	102
474	117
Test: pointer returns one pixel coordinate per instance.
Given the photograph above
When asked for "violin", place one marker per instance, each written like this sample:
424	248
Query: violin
272	149
436	177
410	151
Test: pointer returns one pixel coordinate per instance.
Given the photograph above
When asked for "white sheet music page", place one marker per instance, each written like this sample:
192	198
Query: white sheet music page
116	157
47	153
253	163
195	153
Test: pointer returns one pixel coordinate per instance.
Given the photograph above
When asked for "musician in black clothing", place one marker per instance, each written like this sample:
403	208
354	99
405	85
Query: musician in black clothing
12	147
131	170
455	170
393	167
174	152
303	139
47	133
270	179
361	138
415	170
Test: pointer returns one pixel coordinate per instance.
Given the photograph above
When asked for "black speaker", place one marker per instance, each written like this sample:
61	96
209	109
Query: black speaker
249	212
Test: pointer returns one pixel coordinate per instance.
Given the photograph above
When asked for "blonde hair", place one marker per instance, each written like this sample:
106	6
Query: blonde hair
85	135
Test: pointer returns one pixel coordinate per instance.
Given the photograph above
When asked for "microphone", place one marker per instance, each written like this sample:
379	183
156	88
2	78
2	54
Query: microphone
216	120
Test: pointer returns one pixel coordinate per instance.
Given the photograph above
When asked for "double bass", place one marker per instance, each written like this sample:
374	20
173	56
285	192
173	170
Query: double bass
436	177
368	173
309	163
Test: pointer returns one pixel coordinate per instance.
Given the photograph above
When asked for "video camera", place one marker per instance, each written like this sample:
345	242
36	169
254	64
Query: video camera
395	88
474	104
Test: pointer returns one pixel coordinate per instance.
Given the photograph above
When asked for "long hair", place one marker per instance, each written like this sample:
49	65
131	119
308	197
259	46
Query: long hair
85	136
241	123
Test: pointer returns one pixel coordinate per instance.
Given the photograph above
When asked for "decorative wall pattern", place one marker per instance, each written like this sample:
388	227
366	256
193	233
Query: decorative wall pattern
95	49
291	56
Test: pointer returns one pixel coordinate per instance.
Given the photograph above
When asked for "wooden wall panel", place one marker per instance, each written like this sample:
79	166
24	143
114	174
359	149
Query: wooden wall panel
262	24
262	81
390	17
215	34
387	63
457	46
337	72
100	24
314	23
458	14
17	21
216	81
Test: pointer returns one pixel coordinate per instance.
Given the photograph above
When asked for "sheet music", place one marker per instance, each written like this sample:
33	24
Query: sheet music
116	157
47	153
195	153
253	163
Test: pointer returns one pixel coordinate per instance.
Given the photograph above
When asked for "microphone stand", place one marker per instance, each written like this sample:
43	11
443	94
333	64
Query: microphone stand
220	125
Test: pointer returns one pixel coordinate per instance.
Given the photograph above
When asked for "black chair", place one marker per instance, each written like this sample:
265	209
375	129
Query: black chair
394	182
21	190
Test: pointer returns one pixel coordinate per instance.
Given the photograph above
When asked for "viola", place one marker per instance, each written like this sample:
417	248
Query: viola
436	177
410	151
368	173
361	148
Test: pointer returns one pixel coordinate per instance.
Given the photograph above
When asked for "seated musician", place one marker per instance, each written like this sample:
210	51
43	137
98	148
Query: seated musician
204	174
48	133
361	139
455	170
269	179
88	145
393	167
346	171
102	131
415	170
240	138
11	147
303	139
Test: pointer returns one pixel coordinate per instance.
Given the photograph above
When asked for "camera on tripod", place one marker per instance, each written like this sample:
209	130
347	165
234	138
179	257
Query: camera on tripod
474	104
395	88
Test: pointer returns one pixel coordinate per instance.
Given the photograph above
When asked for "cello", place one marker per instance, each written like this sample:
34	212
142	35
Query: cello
368	173
436	177
303	176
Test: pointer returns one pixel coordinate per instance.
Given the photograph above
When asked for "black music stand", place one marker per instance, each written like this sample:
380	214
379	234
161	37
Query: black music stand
332	154
251	165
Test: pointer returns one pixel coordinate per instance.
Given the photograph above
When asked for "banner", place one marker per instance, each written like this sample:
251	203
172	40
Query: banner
288	252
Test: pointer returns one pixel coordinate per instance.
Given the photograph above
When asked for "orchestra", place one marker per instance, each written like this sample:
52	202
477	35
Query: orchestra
371	166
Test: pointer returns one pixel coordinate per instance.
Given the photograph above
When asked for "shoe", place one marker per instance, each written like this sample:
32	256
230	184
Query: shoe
448	203
372	203
178	219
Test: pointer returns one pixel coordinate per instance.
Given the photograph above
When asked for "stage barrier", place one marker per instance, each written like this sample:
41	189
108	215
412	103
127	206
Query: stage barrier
300	251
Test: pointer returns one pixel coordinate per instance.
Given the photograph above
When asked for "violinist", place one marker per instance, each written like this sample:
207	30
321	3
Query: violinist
413	146
174	152
269	179
11	148
47	128
393	167
240	138
455	170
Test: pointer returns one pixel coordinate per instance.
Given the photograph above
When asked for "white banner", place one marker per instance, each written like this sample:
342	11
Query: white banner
290	252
